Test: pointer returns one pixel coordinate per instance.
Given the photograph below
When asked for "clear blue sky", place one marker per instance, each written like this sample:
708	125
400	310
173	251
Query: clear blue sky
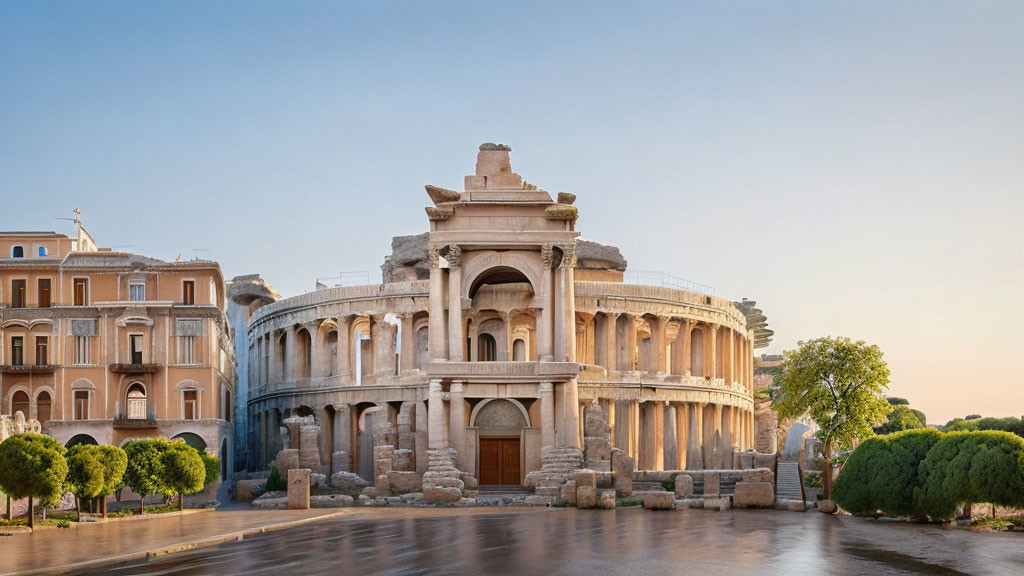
855	167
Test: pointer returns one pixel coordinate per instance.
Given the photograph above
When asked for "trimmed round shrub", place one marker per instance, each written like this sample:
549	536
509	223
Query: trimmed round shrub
969	467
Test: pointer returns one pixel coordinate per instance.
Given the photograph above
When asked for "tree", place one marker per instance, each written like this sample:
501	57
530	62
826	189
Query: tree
897	401
144	471
971	467
882	474
33	466
85	474
960	425
899	419
212	465
183	471
840	383
115	463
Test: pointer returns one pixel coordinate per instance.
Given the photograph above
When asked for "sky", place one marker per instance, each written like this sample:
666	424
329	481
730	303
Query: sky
854	167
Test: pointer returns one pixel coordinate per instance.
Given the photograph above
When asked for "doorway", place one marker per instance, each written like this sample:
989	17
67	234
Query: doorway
499	460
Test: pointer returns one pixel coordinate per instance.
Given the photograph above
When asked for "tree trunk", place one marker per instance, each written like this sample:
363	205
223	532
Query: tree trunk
827	480
142	505
181	501
103	505
10	514
31	513
968	511
78	508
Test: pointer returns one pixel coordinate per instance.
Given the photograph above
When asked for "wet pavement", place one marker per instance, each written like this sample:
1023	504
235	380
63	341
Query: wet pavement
49	549
621	542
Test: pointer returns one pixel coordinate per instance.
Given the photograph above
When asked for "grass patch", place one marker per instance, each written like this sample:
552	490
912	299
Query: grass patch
623	502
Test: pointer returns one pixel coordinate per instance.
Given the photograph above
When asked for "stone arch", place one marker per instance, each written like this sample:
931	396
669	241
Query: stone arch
475	414
192	439
519	350
478	265
422	347
81	439
697	352
44	404
491	332
303	353
21	402
136	401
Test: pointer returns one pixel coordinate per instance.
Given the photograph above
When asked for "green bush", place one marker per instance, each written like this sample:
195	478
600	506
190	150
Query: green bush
882	473
669	485
274	481
212	465
969	467
813	480
183	471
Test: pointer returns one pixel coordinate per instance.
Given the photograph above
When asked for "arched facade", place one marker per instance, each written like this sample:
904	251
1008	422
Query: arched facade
504	327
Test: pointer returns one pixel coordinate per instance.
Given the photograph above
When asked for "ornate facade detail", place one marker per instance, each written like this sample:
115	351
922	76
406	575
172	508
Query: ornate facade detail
454	256
547	256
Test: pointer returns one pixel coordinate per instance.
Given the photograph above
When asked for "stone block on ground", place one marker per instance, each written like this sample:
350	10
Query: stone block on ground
622	471
765	461
441	494
586	496
382	483
747	460
606	499
597	448
298	489
317	480
684	486
758	475
249	490
658	500
331	501
716	504
754	495
569	493
585	477
827	506
349	483
712	484
287	459
403	461
402	482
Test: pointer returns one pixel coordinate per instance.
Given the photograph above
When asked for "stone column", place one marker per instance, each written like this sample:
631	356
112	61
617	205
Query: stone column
437	339
408	357
545	327
455	328
342	438
694	459
658	343
317	350
344	365
686	329
634	430
682	434
710	352
569	298
457	423
435	417
611	322
708	435
670	436
630	343
547	414
289	354
561	326
730	350
570	428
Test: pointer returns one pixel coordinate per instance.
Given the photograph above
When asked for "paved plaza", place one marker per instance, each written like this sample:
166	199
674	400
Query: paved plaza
567	541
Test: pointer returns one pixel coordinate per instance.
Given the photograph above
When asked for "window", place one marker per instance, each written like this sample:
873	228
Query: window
137	291
186	350
45	298
519	350
488	351
81	404
43	405
81	350
42	351
20	403
43	252
17	351
191	404
18	294
135	348
136	402
81	291
18	252
188	292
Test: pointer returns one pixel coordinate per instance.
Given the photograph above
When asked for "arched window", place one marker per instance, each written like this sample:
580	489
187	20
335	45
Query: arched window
488	348
193	440
332	353
519	350
422	352
43	405
18	252
697	353
136	402
20	403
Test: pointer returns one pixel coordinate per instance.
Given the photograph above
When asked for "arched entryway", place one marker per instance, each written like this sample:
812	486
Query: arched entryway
193	440
499	424
81	439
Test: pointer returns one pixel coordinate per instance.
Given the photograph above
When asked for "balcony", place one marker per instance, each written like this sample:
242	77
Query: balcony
27	368
134	368
122	421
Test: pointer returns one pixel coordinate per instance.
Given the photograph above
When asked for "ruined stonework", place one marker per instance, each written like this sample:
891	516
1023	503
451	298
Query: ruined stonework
597	439
556	466
443	482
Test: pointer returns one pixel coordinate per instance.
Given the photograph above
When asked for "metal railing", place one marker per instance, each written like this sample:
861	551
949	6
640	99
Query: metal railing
654	278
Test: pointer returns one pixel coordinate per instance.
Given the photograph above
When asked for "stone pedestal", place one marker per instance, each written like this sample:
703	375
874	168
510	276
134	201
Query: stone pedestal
287	459
622	472
298	489
309	446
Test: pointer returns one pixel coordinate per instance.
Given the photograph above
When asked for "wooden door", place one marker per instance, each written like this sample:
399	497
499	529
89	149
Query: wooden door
499	461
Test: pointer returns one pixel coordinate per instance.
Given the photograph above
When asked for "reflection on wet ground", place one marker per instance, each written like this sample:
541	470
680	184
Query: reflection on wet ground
624	541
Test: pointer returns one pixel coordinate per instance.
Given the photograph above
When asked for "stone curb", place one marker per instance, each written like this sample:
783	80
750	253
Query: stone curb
12	530
175	548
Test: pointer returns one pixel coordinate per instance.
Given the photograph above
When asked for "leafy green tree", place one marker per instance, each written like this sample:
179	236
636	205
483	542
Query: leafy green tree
212	465
144	471
183	471
971	467
33	466
1011	424
882	474
897	401
85	474
960	425
899	419
840	383
115	463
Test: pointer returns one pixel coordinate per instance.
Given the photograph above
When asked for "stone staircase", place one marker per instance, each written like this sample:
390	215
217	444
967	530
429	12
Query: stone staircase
788	481
556	465
442	482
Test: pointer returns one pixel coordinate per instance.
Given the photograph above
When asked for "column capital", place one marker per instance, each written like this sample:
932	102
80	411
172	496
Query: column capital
547	256
454	256
568	255
456	387
545	387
